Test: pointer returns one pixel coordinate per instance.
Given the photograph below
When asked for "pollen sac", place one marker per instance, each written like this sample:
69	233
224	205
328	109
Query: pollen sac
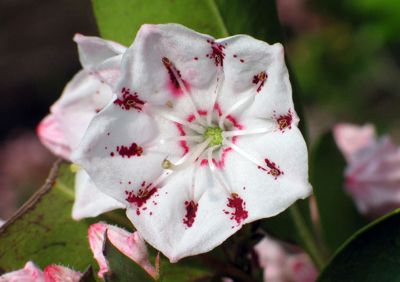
284	121
129	101
259	79
273	169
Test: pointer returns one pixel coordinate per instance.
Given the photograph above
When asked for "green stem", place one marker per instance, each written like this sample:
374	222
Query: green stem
307	237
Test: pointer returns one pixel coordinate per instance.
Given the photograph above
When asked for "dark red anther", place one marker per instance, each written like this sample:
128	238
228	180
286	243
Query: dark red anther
142	196
217	53
129	100
260	78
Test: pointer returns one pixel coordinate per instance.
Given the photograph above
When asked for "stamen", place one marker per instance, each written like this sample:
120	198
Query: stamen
243	153
159	112
235	106
215	96
216	174
188	159
233	133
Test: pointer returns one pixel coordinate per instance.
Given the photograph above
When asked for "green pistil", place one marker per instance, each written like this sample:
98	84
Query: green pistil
216	136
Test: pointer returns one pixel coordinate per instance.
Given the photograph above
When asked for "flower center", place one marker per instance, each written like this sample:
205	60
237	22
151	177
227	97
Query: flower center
215	133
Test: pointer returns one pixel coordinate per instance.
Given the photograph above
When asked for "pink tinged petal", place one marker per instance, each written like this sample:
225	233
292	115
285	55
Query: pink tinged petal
352	138
52	137
89	200
130	244
281	265
373	178
30	273
82	98
96	236
58	273
133	246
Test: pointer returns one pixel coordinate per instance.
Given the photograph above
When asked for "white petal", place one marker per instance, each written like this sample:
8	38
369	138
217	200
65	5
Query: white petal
82	98
254	71
151	65
89	200
95	50
120	151
167	225
267	192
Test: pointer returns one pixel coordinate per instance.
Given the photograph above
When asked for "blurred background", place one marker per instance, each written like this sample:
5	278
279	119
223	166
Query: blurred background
346	56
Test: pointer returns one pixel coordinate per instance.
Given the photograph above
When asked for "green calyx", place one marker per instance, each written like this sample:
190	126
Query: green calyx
215	133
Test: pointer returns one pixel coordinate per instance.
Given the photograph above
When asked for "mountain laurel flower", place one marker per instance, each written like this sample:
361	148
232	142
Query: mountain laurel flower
373	168
130	244
52	273
83	97
281	265
201	138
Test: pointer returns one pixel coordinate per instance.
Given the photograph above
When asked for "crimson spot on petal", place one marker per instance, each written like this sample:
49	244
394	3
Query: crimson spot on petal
239	213
174	77
191	210
142	196
274	169
260	79
284	121
129	100
130	151
217	53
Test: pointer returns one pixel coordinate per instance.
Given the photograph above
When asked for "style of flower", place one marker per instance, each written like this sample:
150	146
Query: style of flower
52	273
193	144
130	244
83	97
284	265
373	168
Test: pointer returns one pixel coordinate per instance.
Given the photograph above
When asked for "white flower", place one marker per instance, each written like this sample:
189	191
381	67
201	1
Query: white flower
201	138
83	97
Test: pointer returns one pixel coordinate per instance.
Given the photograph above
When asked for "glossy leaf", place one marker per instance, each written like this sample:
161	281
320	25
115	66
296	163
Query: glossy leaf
43	231
372	254
338	215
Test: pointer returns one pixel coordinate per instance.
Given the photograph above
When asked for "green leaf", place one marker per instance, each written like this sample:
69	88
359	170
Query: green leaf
120	20
370	255
43	231
123	268
338	215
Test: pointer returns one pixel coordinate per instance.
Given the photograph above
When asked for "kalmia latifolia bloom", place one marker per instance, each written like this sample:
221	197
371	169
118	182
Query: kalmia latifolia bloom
373	168
205	147
52	273
83	97
284	263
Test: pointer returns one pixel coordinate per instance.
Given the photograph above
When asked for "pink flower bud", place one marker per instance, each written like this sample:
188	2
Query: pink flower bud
373	170
130	244
280	265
